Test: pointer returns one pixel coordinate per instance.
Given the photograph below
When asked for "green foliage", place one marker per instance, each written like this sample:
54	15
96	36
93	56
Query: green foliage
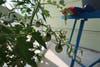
2	1
37	36
17	41
22	50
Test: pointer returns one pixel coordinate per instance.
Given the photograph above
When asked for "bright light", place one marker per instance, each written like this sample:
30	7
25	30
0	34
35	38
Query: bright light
55	59
9	4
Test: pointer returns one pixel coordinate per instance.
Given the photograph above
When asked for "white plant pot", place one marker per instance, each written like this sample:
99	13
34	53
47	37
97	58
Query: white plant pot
94	3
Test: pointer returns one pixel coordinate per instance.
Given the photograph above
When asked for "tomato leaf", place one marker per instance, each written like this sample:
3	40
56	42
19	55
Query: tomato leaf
38	38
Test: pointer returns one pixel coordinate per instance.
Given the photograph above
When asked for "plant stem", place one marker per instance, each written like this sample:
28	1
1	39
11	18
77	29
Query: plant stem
34	12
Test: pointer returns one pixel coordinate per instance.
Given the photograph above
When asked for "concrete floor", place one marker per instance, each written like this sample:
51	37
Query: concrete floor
53	59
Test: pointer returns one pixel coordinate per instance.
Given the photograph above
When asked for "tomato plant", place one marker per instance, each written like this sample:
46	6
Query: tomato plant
21	42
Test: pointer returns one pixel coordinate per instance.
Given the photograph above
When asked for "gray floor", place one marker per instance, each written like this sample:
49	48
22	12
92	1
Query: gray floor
53	59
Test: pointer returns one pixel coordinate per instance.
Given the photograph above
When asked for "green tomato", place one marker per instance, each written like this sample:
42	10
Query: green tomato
38	24
47	37
58	48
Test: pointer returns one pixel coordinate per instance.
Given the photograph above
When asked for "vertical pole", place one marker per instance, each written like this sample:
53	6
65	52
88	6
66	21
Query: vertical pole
72	31
77	42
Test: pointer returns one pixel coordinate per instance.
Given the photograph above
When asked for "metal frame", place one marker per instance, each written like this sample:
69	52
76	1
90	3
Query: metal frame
83	17
77	42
